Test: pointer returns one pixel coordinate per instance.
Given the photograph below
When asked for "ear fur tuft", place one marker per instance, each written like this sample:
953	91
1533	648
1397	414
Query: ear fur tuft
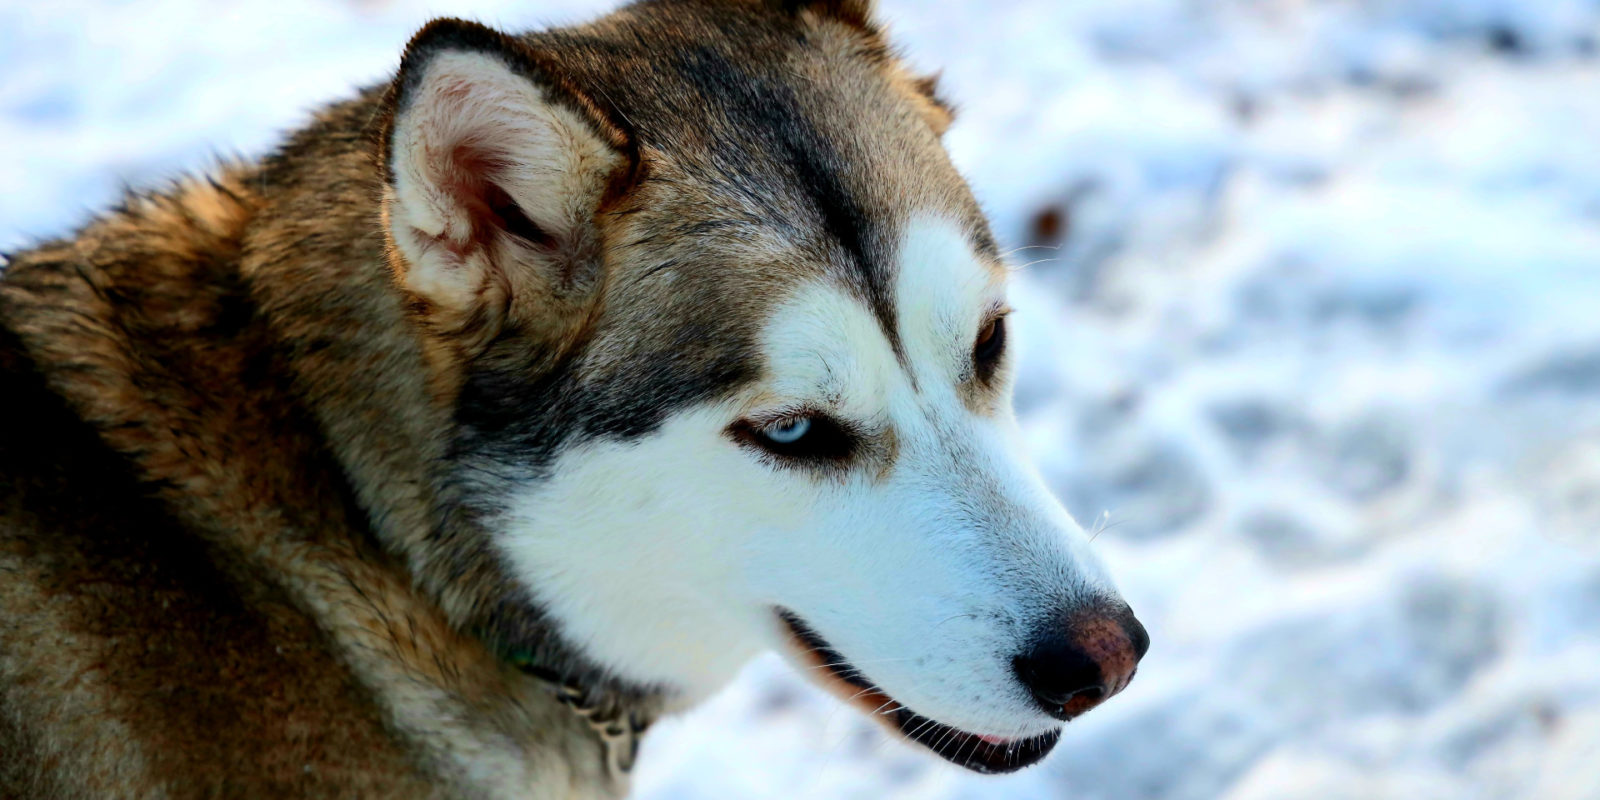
854	12
939	112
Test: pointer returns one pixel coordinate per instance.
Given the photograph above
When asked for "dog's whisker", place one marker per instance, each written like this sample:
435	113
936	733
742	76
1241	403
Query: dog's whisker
839	664
921	726
954	616
890	702
1104	524
1015	250
940	743
1021	267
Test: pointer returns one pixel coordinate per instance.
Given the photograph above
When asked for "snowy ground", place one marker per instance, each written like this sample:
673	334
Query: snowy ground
1316	322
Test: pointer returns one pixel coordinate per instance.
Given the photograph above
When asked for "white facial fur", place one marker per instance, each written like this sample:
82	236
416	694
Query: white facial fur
665	557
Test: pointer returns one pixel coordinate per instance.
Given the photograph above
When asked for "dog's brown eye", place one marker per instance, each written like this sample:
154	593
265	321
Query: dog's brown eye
989	347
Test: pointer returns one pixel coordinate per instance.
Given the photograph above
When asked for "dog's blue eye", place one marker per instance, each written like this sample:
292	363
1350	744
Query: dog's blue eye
787	431
810	437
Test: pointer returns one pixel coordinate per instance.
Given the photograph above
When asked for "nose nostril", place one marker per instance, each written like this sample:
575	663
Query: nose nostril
1064	680
1081	701
1071	704
1058	698
1075	667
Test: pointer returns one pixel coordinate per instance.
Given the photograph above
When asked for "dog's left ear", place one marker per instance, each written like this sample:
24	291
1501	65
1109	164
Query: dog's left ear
497	167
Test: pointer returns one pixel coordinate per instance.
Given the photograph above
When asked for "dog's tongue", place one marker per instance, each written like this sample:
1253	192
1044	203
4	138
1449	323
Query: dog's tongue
990	739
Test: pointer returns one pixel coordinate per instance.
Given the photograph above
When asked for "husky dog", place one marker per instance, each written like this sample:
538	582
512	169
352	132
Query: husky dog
519	401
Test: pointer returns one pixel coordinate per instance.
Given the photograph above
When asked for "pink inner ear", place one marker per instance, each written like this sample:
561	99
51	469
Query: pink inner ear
472	179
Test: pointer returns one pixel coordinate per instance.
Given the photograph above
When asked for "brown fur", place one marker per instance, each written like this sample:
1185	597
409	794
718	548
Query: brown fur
230	563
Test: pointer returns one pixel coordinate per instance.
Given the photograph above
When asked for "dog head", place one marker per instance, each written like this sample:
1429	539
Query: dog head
728	339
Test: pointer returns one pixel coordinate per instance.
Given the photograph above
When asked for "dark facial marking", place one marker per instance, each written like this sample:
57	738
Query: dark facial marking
518	423
780	137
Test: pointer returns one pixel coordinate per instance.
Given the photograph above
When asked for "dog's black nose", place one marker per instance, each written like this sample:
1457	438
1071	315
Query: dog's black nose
1091	655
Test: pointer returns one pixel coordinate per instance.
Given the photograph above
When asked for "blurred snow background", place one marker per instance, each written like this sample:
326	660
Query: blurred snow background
1313	328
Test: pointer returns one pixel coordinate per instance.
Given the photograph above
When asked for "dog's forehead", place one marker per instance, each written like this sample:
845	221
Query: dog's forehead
788	136
775	154
822	343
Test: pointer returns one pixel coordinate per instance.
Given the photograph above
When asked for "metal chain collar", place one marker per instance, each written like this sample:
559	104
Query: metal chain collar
619	730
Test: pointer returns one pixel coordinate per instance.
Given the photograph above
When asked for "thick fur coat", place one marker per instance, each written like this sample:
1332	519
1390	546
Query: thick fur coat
258	429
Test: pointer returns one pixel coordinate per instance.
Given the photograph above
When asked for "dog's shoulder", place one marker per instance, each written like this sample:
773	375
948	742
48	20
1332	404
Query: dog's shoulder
142	408
133	660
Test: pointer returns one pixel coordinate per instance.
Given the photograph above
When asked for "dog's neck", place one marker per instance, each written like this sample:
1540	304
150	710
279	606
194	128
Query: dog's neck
618	720
384	392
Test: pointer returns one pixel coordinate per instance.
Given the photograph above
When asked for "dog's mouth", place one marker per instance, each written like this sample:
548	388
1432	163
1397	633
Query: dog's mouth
977	752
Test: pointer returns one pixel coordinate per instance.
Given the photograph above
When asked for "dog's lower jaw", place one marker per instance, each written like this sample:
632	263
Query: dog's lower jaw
535	641
977	752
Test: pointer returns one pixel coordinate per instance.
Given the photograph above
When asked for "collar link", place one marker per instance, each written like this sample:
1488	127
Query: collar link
619	729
